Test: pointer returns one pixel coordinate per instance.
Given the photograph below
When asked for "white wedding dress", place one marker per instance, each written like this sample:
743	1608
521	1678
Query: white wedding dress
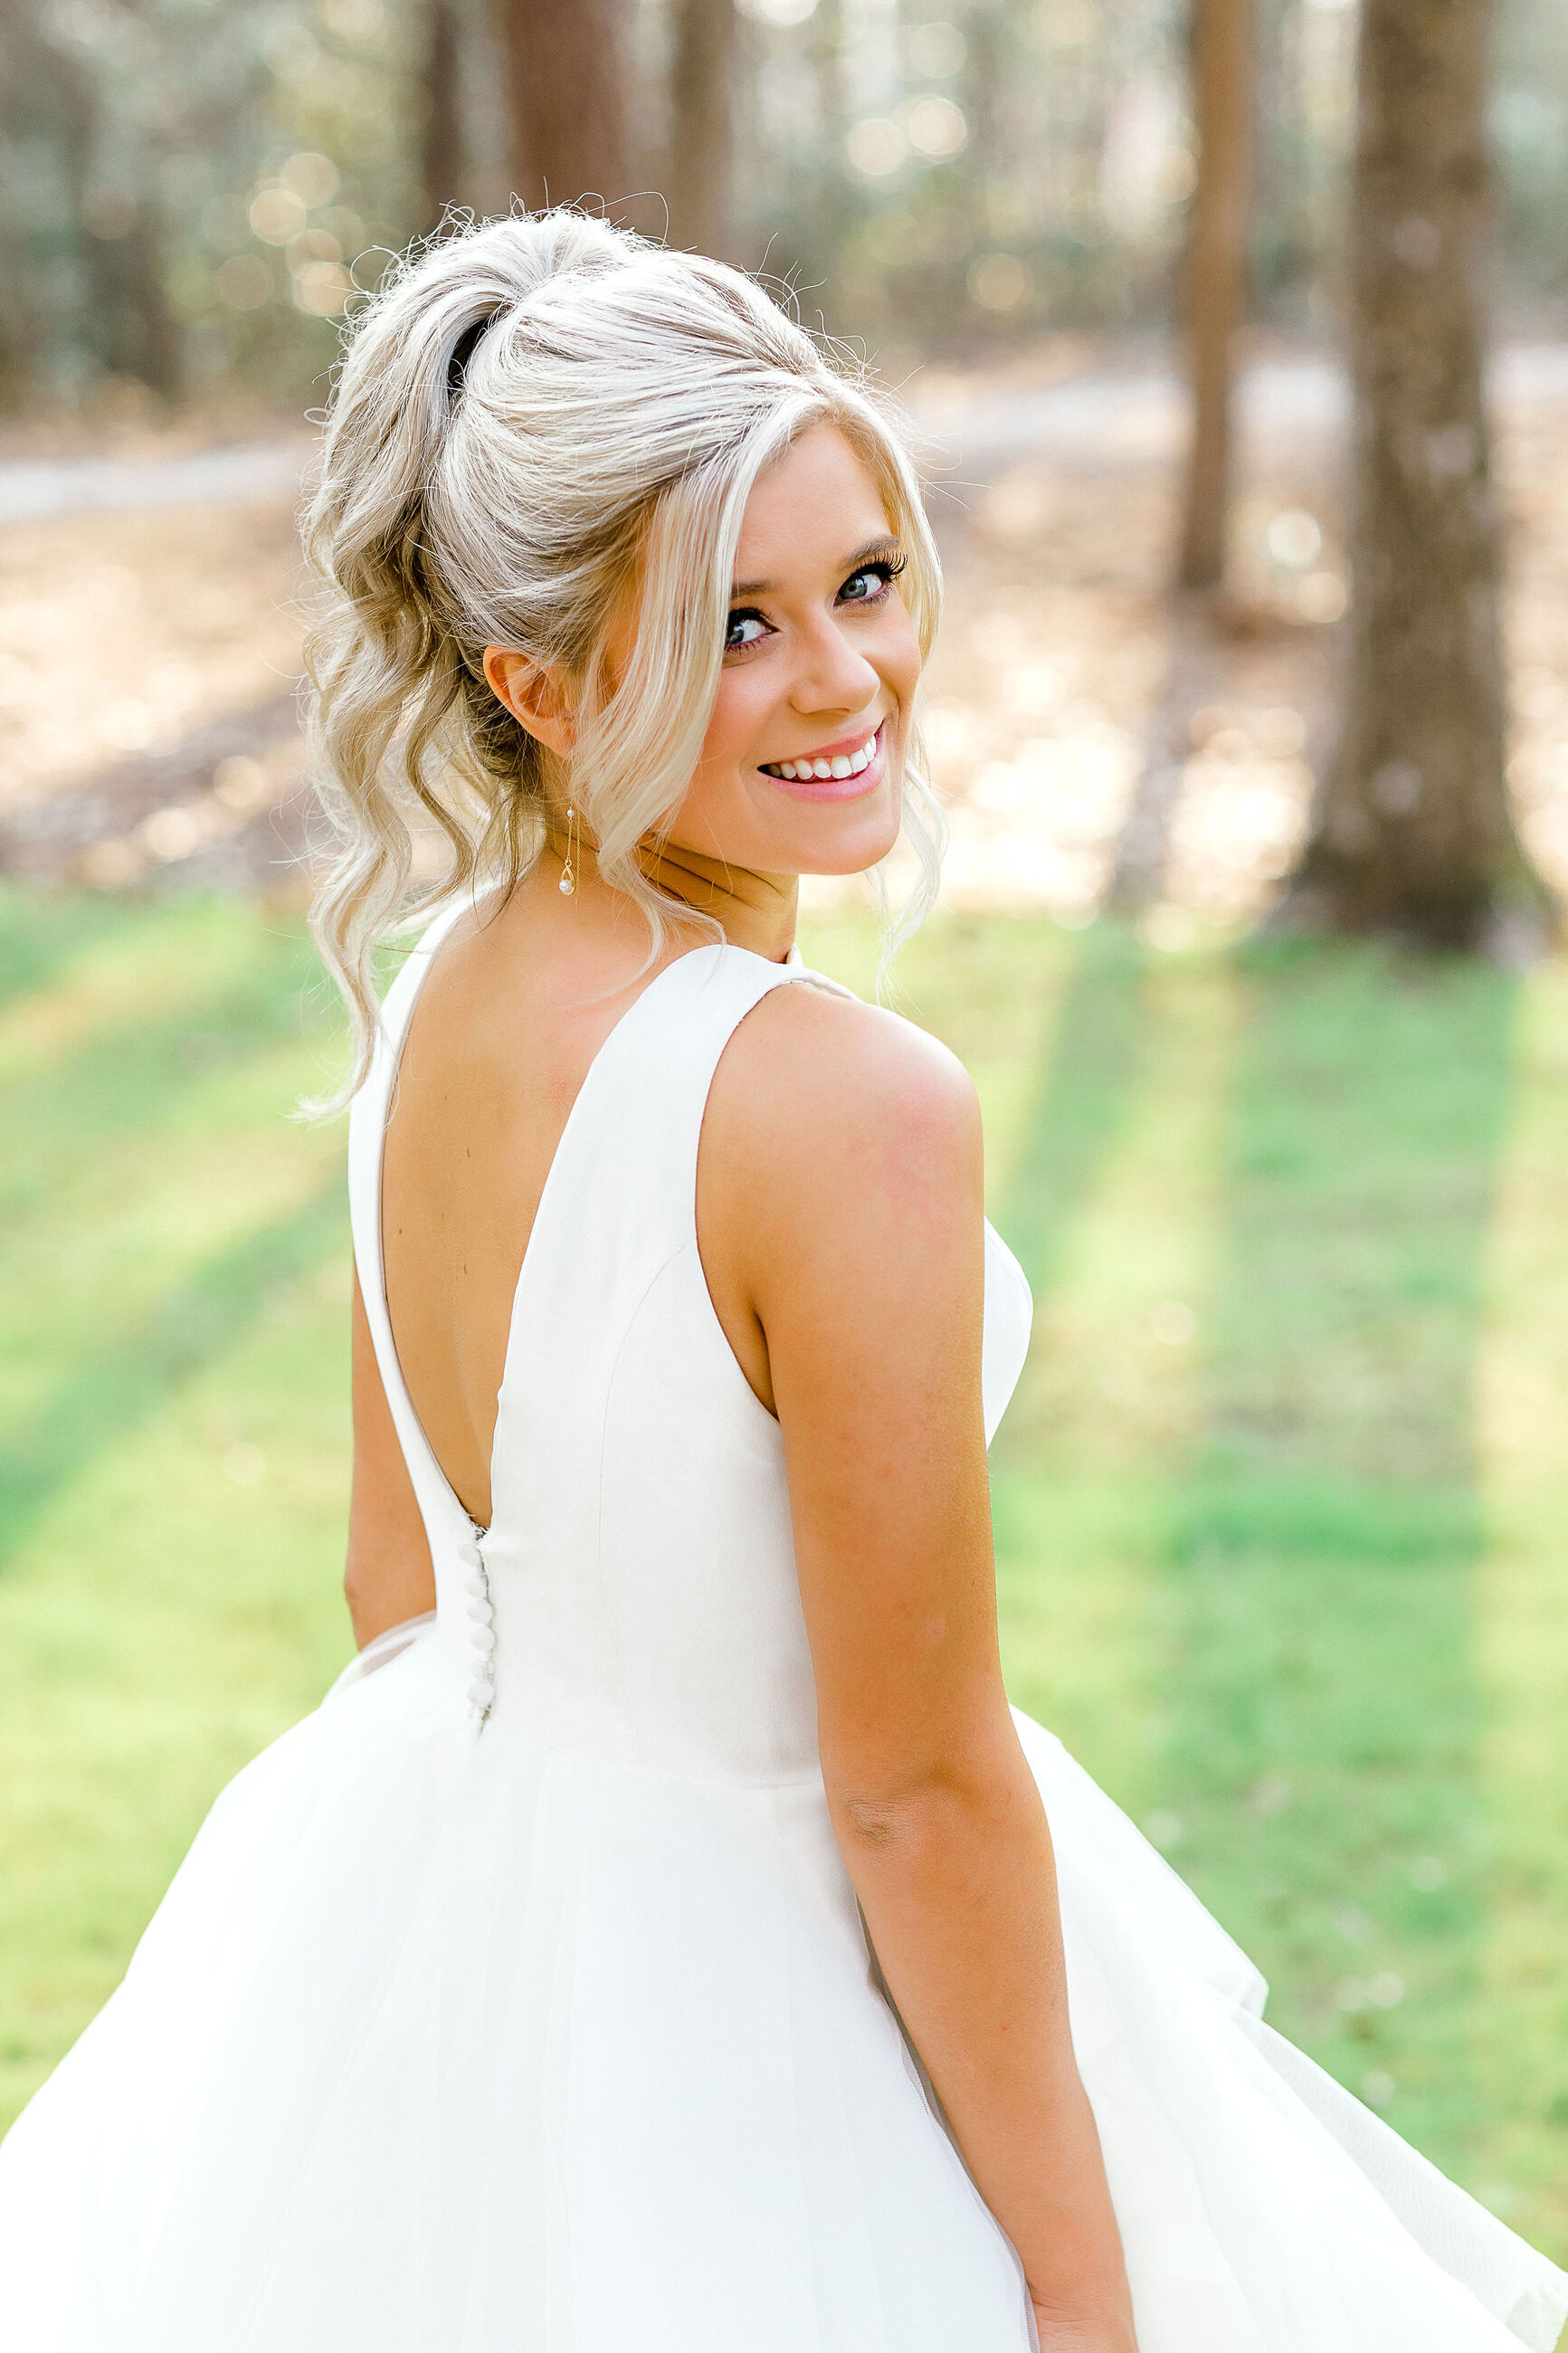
518	2000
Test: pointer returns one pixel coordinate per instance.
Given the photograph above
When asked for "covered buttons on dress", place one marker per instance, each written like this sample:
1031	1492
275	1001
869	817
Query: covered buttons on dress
481	1629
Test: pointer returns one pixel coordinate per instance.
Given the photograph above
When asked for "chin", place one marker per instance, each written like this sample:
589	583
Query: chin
845	837
857	861
847	840
866	847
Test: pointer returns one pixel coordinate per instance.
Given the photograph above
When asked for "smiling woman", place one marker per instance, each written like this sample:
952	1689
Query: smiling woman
817	647
666	1936
653	432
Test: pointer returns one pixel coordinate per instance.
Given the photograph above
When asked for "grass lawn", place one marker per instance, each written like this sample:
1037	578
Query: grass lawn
1280	1503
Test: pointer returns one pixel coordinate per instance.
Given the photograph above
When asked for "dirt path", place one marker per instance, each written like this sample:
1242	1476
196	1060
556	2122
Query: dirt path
39	489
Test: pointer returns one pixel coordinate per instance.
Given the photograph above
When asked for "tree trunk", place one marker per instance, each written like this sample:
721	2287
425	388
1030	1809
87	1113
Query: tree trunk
701	161
443	157
143	337
121	313
565	98
1223	71
1414	838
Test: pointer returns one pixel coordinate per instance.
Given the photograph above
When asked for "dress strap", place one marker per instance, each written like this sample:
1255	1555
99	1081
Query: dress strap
368	1116
634	1135
620	1201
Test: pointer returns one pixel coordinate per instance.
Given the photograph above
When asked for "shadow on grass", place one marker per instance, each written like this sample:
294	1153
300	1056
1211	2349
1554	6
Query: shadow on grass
108	1396
132	1069
1090	1078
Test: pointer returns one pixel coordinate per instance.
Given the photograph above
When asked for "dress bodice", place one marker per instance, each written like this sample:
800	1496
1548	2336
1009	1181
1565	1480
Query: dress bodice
636	1593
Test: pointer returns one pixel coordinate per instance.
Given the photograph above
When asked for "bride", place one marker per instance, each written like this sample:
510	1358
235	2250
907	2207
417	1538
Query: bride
665	1937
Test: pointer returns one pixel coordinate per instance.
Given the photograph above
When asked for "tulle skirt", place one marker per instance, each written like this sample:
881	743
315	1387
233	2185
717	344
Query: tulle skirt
441	2044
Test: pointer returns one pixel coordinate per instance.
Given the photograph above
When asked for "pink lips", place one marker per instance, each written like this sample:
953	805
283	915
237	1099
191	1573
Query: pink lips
836	788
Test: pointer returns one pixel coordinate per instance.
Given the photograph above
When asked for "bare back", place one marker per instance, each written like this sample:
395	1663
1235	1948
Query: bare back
518	1001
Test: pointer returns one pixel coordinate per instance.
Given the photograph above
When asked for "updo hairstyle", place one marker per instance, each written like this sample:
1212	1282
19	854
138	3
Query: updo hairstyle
538	420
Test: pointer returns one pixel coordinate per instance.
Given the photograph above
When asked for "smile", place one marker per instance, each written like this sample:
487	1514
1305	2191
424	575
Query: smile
825	765
835	773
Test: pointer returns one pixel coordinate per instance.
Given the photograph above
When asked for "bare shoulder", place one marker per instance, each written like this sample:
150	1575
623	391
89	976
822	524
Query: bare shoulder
821	1101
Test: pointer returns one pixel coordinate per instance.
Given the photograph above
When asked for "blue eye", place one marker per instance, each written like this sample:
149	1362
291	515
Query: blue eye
746	628
871	581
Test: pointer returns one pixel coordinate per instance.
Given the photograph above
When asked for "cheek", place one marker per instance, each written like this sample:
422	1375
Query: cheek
900	663
739	708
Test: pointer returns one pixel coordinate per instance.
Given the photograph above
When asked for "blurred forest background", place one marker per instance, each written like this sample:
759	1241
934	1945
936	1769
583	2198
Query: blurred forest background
1235	336
192	187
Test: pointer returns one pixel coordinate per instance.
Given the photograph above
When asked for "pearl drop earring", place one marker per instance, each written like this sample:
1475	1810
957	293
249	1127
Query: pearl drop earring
568	871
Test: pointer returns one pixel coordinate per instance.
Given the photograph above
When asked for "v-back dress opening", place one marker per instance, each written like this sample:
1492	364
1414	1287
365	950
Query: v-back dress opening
518	2000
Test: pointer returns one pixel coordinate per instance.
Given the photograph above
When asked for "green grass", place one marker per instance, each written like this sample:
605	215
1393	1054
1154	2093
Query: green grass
1279	1503
173	1277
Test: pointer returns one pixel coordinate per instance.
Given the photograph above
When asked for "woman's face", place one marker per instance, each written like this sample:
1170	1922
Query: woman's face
802	767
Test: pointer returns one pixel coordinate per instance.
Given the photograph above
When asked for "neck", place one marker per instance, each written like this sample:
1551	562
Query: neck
756	911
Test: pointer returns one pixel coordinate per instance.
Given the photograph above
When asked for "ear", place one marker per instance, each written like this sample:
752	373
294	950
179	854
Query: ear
536	693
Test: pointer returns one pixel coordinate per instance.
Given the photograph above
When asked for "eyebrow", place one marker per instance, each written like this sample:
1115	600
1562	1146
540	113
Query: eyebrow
888	544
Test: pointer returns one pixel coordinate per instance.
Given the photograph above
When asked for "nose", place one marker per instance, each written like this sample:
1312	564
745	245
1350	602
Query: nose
830	675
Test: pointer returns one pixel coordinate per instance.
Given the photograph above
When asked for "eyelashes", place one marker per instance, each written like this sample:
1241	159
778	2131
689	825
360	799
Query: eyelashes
884	569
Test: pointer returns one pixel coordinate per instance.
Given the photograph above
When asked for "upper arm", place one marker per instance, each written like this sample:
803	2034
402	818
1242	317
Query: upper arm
389	1575
850	1204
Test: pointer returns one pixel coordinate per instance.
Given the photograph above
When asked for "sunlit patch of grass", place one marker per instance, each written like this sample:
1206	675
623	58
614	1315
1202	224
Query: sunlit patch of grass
1520	2030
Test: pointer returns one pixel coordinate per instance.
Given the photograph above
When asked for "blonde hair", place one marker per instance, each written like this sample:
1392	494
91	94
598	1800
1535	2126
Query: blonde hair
535	419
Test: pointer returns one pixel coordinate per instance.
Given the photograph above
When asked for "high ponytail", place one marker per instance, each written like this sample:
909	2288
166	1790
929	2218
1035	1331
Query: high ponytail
534	420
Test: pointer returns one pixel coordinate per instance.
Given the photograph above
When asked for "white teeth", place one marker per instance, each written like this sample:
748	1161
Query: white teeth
843	764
